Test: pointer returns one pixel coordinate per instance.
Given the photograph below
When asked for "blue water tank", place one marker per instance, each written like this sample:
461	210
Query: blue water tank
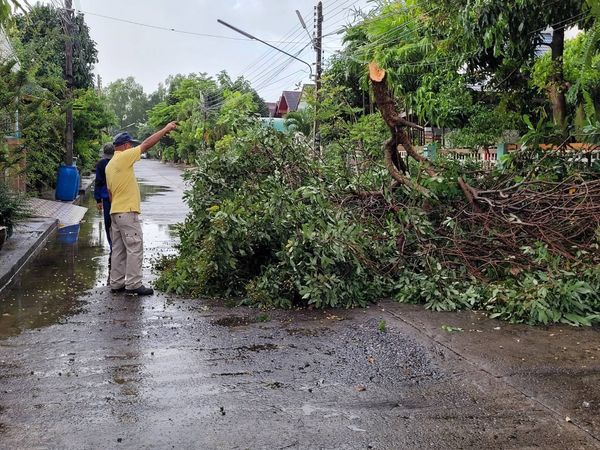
68	235
67	183
77	184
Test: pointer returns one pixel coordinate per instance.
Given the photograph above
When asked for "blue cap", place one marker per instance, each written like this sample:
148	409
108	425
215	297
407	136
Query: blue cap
124	138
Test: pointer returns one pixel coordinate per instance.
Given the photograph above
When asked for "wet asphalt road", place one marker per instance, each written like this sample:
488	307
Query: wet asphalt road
81	368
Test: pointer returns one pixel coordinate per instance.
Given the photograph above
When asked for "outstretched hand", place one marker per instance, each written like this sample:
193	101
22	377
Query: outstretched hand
156	137
170	127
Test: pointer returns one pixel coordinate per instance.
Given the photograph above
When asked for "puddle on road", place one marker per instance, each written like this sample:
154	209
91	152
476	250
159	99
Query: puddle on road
52	286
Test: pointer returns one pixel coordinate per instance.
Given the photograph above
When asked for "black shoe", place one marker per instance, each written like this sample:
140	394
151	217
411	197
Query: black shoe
142	290
118	291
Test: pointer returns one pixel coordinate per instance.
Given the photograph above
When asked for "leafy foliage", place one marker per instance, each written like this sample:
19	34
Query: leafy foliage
129	103
38	38
276	224
91	115
206	109
41	36
485	128
13	208
271	225
263	226
7	7
300	121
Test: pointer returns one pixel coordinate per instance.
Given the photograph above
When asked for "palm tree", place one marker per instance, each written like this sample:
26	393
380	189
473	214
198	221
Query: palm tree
300	121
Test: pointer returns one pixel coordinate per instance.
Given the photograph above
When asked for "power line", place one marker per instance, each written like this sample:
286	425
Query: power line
267	75
341	9
276	65
295	31
283	78
174	30
266	63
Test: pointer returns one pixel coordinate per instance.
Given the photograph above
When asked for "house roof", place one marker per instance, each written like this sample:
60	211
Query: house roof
271	106
292	98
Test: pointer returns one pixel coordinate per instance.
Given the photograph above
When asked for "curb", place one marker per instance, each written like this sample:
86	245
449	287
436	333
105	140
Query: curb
27	248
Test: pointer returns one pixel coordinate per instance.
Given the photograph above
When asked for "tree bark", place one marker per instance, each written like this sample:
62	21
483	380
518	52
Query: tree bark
396	123
557	81
389	149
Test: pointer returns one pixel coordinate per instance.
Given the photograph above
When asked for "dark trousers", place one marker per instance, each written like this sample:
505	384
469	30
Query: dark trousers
107	220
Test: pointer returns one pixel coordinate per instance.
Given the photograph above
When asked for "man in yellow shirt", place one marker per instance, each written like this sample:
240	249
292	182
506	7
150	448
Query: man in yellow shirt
126	231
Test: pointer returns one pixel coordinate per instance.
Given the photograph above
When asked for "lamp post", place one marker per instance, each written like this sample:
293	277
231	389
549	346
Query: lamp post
317	47
305	28
254	38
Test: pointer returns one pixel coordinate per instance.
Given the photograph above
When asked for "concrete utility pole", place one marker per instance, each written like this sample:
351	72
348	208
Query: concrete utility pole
318	42
69	26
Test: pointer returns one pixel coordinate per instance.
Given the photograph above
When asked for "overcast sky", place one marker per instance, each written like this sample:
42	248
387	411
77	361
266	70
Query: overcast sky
151	55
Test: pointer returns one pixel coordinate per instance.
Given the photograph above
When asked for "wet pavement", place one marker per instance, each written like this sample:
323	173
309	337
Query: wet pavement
51	288
81	368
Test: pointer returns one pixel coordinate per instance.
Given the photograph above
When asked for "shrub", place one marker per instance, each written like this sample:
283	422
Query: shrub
13	208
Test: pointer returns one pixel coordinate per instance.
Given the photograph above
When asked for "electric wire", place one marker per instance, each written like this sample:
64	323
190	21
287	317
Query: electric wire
391	31
262	77
175	30
278	69
275	65
282	66
265	54
268	61
343	8
283	78
293	32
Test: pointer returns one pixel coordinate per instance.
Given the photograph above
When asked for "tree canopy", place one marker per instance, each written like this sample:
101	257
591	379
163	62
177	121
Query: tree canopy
38	38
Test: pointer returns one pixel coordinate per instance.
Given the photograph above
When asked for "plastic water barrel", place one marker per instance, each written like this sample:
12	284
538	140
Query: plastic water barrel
67	183
68	235
77	183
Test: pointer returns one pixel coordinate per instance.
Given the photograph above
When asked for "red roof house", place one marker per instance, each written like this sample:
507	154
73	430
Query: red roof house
288	102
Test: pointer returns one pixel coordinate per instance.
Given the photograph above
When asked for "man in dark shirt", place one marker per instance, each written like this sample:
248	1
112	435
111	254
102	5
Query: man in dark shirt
101	190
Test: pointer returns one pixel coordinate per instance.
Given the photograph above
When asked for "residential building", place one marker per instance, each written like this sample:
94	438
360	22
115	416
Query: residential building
272	107
288	102
544	47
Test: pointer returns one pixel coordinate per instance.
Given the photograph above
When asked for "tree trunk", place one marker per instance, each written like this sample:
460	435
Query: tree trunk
557	82
397	124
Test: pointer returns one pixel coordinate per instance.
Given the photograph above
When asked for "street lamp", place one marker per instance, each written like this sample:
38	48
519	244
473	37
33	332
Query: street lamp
304	26
254	38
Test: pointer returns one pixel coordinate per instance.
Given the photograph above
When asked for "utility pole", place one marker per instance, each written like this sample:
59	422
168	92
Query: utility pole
318	42
204	109
69	25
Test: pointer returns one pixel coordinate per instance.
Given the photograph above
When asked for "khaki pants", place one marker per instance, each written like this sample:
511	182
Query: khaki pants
127	251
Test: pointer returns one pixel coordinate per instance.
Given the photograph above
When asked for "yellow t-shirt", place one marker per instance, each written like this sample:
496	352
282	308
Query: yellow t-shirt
122	183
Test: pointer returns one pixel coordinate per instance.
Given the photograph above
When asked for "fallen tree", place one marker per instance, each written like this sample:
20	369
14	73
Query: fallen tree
497	222
271	226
